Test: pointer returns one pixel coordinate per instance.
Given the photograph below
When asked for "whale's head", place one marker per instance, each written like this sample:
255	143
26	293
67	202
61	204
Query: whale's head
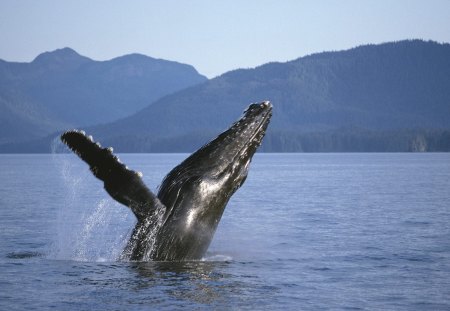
196	192
225	159
230	154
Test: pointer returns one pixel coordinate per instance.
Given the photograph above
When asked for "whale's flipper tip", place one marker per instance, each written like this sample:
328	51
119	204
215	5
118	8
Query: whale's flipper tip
77	141
100	160
124	185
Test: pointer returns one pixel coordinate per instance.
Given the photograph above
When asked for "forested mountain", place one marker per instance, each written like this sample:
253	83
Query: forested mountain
387	97
374	92
62	89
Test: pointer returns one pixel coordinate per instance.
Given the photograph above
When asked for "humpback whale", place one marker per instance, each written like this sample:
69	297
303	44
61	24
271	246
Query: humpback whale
178	223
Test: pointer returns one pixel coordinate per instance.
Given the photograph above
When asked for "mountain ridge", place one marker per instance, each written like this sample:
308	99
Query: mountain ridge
387	87
62	89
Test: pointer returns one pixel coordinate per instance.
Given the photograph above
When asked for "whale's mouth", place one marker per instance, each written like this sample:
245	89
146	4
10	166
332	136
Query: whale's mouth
263	114
233	150
248	132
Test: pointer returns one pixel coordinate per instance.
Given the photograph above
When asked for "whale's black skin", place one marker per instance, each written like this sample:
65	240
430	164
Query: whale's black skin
179	222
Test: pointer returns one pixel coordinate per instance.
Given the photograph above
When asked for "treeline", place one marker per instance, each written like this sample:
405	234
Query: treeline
343	140
357	140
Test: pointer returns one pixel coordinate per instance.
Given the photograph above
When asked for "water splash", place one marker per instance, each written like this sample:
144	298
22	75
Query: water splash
90	226
154	224
144	236
217	258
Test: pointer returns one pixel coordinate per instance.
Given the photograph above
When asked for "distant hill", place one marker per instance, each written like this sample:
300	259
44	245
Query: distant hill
370	93
387	97
62	89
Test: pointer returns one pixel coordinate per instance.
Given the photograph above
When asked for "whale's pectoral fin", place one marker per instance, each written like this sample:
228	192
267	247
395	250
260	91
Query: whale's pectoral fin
124	185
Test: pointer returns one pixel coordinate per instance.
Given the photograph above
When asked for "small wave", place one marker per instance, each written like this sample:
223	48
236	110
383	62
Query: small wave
217	257
321	268
417	223
23	255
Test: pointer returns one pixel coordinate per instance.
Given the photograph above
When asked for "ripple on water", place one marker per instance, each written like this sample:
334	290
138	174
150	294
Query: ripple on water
23	255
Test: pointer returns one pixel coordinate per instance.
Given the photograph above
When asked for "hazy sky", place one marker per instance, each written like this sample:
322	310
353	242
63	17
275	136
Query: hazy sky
214	36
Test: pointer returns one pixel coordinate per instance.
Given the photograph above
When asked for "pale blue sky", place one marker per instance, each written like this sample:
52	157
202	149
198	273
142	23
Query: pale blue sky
214	36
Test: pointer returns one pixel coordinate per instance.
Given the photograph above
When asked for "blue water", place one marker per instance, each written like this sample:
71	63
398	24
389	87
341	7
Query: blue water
305	232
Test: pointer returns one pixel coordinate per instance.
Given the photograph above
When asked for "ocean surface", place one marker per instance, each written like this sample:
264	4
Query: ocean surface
305	232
